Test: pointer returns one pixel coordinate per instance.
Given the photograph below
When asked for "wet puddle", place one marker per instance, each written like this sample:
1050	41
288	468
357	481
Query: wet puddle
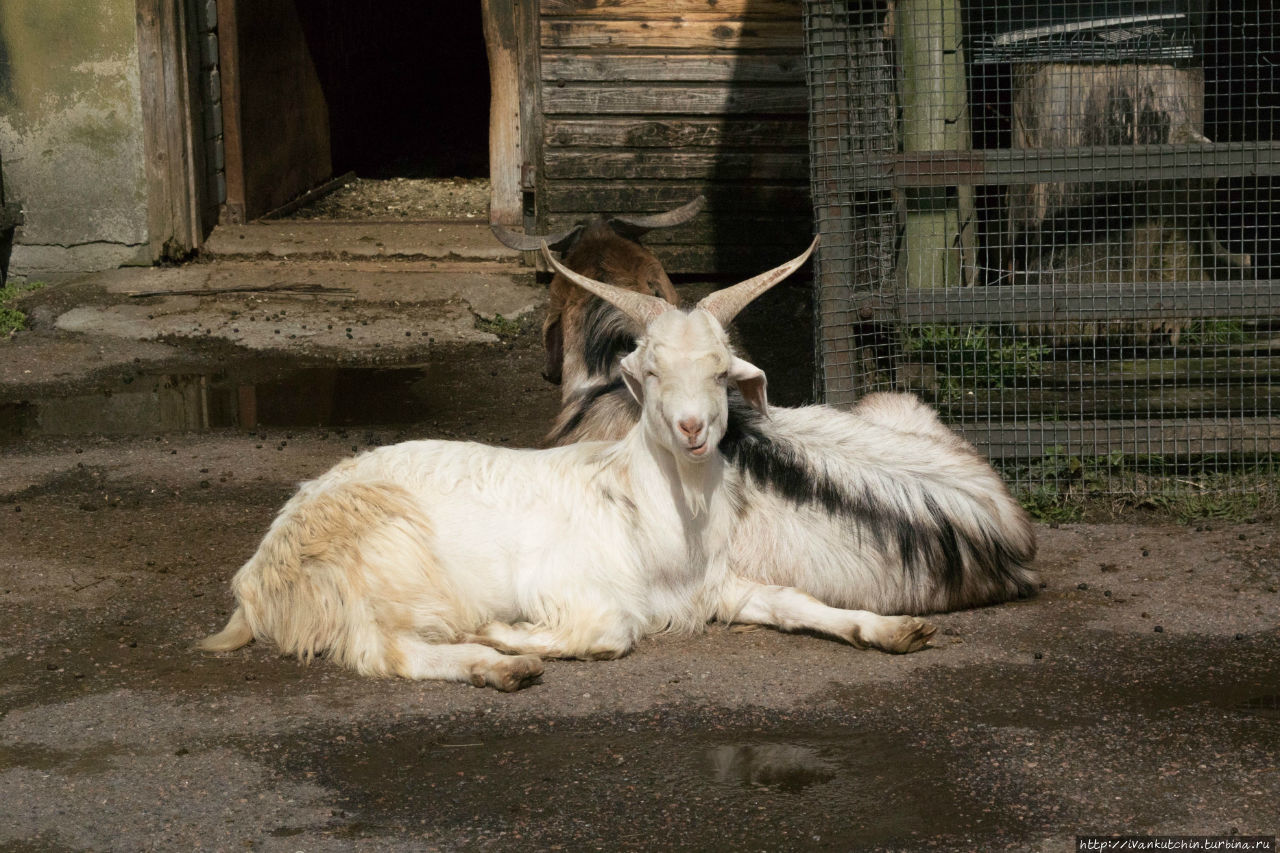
300	397
810	788
1266	705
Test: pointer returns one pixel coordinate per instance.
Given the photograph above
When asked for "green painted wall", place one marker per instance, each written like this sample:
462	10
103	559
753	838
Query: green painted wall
71	133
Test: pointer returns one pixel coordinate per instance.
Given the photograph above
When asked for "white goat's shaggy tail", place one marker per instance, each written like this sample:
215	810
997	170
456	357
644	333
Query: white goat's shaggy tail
346	569
236	634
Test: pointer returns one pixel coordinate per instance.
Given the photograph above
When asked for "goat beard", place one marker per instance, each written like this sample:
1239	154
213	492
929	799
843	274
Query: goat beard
698	479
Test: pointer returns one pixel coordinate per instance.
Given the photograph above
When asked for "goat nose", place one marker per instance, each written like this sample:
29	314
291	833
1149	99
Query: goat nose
691	427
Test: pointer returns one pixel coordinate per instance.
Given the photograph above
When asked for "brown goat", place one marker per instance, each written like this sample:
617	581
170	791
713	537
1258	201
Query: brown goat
605	249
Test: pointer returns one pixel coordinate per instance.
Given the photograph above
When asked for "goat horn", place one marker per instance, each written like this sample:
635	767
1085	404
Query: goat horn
640	224
640	307
531	242
725	304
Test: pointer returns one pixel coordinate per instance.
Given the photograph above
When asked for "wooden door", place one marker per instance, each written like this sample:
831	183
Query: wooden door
275	117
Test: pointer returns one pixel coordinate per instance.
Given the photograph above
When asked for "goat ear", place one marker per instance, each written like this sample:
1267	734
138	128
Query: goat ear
633	375
751	384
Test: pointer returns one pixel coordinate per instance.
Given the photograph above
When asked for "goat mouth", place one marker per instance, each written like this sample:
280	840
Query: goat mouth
700	449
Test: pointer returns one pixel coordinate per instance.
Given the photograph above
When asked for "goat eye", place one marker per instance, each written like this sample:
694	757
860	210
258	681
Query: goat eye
723	377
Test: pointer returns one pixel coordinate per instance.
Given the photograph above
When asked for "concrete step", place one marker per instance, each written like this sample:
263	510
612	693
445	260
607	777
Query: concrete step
357	311
488	288
359	239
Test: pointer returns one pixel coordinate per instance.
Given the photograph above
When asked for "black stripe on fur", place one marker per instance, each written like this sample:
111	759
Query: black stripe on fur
582	402
932	544
607	334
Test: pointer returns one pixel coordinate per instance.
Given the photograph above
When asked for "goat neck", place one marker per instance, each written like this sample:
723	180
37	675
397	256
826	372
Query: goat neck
680	373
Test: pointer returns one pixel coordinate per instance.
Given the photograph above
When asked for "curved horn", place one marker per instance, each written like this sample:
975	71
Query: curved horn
725	304
640	307
531	242
638	225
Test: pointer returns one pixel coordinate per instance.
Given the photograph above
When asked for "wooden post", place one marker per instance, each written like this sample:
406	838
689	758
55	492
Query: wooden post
233	208
174	151
505	158
938	240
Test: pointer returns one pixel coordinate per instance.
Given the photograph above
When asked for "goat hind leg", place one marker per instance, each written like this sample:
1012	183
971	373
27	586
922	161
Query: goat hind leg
792	610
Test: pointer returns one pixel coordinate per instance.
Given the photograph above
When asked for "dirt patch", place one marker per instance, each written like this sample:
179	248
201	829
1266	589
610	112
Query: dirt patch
1024	725
1137	693
402	198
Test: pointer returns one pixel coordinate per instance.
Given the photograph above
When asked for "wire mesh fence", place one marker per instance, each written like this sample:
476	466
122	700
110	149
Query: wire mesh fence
1055	221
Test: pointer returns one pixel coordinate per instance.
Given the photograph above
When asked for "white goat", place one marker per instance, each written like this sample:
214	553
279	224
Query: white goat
881	508
429	559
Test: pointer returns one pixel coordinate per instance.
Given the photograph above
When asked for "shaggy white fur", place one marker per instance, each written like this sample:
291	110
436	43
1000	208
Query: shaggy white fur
432	559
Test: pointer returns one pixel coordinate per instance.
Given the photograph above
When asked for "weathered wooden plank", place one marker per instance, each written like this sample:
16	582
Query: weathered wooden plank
1139	376
232	211
650	197
562	164
675	133
1076	302
174	155
1169	438
672	34
505	156
1103	403
1171	372
600	99
669	8
284	116
714	228
934	117
706	68
727	259
532	140
1102	163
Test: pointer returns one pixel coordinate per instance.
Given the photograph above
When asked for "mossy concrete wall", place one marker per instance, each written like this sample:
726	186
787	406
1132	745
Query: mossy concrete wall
71	134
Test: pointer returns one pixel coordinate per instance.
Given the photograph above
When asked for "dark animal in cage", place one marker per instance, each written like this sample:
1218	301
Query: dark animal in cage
1079	233
882	508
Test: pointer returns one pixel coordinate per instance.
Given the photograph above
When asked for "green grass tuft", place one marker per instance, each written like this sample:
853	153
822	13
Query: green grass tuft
973	358
1213	333
503	327
11	319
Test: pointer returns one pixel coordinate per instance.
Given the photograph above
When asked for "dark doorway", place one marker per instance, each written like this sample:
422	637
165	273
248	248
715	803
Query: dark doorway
407	85
387	89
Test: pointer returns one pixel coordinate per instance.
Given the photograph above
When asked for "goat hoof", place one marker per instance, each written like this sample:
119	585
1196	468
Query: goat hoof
904	634
515	673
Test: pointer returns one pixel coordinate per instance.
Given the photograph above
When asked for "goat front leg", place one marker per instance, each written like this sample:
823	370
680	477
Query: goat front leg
524	638
789	609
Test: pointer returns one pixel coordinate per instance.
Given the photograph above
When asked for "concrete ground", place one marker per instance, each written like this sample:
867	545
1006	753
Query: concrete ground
1138	693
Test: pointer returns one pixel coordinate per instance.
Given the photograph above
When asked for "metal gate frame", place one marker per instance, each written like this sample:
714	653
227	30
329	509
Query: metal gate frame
859	301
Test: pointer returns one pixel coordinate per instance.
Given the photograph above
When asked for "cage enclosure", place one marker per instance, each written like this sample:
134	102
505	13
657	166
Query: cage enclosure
1054	221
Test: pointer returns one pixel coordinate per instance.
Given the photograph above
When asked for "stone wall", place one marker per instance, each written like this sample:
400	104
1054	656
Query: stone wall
71	134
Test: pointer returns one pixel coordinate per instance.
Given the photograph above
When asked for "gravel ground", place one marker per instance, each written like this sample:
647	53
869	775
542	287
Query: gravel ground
402	198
